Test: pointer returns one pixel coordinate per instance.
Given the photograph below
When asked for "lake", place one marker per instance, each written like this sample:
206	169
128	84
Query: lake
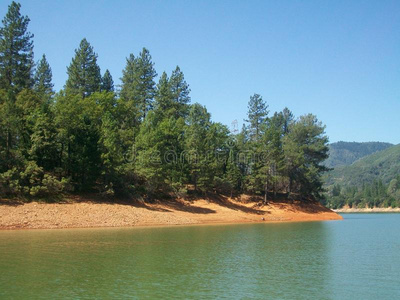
357	258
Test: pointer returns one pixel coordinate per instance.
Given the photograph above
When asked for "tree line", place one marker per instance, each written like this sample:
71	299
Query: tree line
375	194
141	138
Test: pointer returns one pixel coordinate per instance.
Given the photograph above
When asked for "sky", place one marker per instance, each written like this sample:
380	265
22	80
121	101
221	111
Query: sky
339	60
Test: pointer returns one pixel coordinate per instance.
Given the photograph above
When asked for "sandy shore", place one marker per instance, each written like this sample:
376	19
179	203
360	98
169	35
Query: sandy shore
87	213
368	210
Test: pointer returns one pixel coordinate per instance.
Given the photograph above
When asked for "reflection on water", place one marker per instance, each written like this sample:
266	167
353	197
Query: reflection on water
354	258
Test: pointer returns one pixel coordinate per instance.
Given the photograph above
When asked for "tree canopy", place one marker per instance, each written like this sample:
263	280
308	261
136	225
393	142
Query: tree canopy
142	138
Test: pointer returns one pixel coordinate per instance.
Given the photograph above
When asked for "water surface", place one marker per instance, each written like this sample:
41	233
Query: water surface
357	258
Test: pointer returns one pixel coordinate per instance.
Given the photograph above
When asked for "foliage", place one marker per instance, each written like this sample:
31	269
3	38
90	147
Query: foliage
83	73
16	51
138	86
363	175
107	83
145	138
30	181
383	165
375	194
43	77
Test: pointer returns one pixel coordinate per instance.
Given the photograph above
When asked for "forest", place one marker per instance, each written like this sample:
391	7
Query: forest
141	138
375	194
372	180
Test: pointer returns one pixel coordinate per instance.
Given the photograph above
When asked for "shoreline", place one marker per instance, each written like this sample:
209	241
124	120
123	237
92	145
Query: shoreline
368	210
91	214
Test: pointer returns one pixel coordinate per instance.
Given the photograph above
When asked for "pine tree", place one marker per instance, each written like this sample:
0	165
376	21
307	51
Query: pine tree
107	83
232	175
180	93
164	99
305	148
43	139
128	103
83	73
43	78
146	84
257	115
288	119
159	146
273	163
16	51
138	87
9	131
196	147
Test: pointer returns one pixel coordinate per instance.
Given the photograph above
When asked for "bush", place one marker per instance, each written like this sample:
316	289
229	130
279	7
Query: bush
31	181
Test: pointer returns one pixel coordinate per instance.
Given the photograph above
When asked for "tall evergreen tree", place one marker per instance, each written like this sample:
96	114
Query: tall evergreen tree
180	93
233	174
107	83
164	99
305	148
199	124
138	87
146	84
16	51
128	104
84	76
257	115
288	119
159	146
43	78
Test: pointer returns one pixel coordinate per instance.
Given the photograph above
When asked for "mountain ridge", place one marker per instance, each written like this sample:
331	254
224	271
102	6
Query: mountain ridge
345	153
382	165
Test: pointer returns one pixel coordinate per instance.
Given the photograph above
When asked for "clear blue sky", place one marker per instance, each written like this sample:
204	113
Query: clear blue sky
337	59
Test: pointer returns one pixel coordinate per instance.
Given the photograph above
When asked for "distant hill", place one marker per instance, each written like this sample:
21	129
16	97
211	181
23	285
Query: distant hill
345	153
383	165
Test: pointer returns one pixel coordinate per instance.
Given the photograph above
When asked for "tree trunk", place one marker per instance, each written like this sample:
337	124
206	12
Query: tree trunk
8	147
266	192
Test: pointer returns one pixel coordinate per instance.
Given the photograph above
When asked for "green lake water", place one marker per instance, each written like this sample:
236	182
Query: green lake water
357	258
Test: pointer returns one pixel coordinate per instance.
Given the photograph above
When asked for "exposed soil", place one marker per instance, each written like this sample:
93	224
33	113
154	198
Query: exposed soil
84	212
369	210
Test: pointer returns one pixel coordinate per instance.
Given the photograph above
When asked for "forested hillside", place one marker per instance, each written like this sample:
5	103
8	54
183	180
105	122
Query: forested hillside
345	153
373	180
143	138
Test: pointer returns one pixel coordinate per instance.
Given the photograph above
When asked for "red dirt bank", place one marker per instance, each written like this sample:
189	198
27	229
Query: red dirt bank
86	213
